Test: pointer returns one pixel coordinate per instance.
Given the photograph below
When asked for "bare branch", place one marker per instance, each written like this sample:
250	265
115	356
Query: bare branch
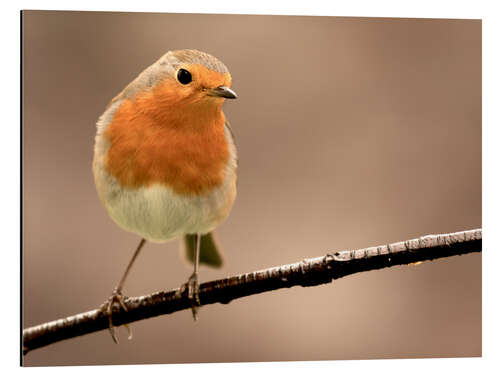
308	272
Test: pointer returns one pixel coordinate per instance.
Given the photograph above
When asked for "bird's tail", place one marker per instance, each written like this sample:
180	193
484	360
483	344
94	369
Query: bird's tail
209	249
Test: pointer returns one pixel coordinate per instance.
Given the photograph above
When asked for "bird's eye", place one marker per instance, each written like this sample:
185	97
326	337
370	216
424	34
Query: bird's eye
184	77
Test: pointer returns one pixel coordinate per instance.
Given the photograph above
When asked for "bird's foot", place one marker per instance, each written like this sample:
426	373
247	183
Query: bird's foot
116	298
193	292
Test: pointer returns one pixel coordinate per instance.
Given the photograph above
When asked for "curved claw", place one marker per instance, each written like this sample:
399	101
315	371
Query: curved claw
115	298
193	289
194	294
129	337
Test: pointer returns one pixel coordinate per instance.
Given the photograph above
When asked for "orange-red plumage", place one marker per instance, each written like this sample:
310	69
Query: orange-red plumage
172	135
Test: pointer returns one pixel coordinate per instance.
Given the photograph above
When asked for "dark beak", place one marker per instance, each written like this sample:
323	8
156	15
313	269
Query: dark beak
222	92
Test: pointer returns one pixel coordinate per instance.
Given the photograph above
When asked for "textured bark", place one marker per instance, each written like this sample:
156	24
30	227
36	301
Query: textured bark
308	272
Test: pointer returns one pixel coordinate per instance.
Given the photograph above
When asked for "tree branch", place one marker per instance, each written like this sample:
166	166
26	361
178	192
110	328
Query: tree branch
308	272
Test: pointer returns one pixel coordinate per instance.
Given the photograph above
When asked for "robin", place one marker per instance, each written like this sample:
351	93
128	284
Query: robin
165	160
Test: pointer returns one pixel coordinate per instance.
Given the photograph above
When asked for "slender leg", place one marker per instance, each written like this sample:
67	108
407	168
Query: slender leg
197	258
117	297
192	286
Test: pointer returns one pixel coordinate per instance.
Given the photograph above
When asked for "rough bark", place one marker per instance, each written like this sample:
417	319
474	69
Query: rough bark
308	272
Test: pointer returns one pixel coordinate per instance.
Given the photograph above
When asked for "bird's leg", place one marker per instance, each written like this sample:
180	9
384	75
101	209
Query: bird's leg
192	285
117	297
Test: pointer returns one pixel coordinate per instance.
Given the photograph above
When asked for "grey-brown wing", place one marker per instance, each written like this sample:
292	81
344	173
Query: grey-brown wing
230	131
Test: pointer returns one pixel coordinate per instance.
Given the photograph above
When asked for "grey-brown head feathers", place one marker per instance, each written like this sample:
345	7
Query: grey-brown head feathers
191	56
167	65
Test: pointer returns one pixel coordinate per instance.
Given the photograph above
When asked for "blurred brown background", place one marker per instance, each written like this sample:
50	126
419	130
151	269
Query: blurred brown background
351	132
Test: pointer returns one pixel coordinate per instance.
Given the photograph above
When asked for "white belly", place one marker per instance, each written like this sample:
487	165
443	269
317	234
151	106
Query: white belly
158	214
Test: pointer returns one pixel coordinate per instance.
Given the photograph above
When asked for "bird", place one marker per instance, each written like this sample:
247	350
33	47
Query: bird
165	161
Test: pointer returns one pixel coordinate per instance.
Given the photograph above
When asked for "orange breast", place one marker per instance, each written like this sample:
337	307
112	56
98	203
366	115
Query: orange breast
183	149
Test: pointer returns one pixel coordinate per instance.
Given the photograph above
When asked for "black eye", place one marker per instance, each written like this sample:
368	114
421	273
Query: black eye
184	76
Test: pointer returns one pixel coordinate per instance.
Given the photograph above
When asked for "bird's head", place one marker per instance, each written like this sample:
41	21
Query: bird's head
185	80
198	75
